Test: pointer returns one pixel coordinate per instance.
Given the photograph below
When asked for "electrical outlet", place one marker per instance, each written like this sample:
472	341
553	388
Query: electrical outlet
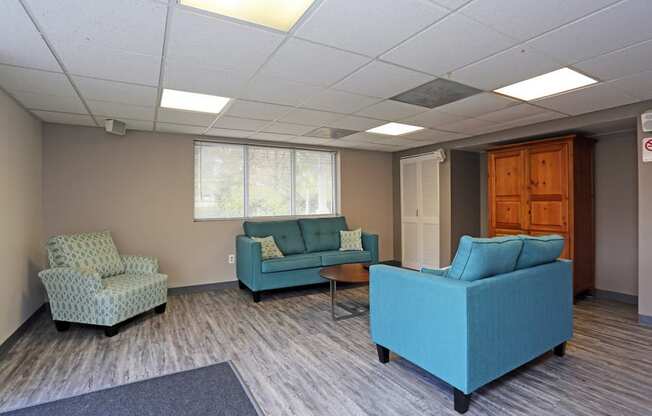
231	258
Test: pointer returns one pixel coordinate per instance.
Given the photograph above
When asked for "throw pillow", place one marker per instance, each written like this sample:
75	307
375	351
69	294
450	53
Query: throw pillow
351	240
268	247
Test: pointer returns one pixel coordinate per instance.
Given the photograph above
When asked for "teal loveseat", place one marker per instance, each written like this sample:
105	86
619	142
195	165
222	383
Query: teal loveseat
502	303
307	246
90	283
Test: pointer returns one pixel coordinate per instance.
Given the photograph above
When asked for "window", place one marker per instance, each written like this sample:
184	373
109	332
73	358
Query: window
242	181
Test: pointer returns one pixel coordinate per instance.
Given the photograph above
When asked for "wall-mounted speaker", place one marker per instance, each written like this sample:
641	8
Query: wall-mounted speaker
646	121
116	127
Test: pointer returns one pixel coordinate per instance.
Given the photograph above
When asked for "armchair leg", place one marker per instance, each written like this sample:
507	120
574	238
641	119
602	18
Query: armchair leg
560	349
383	354
256	296
62	326
160	308
461	400
111	331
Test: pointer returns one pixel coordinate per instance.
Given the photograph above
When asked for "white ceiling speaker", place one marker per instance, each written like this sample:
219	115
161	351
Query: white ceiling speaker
116	127
646	121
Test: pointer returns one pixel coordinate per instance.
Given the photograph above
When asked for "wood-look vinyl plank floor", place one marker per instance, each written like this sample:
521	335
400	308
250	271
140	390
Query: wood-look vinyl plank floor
297	361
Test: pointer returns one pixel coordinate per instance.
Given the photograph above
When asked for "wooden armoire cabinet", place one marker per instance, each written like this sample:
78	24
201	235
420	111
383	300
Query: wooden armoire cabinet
546	187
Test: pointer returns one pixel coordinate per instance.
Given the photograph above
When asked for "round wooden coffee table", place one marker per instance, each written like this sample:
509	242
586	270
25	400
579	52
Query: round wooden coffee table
347	273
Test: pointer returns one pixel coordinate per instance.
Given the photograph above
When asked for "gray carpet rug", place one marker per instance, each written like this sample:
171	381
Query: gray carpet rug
213	390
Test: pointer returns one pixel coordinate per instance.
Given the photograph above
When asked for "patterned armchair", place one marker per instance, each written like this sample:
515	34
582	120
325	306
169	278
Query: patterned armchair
89	282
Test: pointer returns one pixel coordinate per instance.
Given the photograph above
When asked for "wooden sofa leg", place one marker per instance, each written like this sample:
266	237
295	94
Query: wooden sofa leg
111	331
461	400
256	296
383	354
62	326
160	308
560	349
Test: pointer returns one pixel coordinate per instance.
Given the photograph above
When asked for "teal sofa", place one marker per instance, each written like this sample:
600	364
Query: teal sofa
88	282
307	245
502	303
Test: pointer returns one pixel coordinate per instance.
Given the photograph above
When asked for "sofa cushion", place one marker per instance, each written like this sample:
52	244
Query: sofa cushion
477	258
94	251
322	234
539	250
292	262
287	234
330	258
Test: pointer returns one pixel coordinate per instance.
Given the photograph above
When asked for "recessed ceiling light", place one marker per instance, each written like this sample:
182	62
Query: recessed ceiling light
394	129
277	14
192	101
552	83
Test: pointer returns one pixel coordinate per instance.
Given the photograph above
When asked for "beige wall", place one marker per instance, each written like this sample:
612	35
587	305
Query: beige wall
616	222
21	254
140	187
644	231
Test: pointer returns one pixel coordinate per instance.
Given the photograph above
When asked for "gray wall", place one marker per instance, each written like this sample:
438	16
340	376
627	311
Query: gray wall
616	207
140	187
644	231
21	216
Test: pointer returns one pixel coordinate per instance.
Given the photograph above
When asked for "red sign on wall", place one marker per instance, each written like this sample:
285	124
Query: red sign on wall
647	149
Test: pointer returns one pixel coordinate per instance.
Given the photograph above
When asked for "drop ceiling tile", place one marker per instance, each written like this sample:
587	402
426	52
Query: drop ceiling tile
430	135
436	93
433	119
525	19
274	137
239	134
383	80
355	123
391	110
257	110
527	121
436	49
620	63
638	85
139	125
312	64
127	25
237	123
378	147
368	28
275	90
478	104
110	64
512	113
451	4
392	140
287	128
33	101
168	115
316	141
361	137
65	118
118	110
613	28
35	81
20	42
204	80
469	126
513	65
179	128
310	117
116	92
586	100
218	43
339	101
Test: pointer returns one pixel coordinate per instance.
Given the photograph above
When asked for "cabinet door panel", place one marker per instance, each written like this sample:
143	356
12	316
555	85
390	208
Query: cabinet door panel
548	214
506	232
509	178
508	214
545	171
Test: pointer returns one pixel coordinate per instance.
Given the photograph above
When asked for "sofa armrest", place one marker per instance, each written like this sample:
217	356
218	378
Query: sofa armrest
437	272
248	260
370	244
423	318
61	279
140	264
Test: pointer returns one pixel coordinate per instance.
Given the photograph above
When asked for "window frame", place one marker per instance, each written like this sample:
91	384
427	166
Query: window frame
335	163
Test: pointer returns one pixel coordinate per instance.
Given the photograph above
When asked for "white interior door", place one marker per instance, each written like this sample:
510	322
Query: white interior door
420	212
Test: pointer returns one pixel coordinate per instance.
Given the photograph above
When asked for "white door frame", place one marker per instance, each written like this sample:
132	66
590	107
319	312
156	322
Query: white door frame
418	218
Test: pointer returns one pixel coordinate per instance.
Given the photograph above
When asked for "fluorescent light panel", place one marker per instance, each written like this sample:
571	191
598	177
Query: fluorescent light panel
394	129
555	82
192	101
277	14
